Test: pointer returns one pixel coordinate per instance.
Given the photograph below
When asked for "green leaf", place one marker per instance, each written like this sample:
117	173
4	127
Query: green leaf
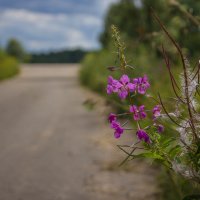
149	155
168	142
174	151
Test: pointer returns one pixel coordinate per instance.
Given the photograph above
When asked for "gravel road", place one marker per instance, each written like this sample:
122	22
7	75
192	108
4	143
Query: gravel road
53	148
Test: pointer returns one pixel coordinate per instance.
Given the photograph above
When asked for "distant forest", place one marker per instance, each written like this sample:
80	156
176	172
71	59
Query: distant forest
65	56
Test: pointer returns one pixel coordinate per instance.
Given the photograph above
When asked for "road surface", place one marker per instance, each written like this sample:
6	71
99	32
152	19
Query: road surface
53	148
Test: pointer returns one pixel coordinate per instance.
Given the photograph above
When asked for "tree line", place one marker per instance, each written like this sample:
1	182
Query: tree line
15	49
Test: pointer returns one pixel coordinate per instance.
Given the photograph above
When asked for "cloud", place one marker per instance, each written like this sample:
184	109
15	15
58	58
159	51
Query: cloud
95	7
53	24
43	31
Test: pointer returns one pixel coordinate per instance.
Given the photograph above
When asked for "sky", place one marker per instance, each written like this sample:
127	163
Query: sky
43	25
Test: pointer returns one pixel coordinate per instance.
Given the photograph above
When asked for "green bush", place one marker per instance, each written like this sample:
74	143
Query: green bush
93	72
8	66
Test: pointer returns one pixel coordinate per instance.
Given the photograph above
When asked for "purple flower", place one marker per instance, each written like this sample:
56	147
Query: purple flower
112	117
156	111
142	84
142	135
160	128
118	129
113	85
122	87
138	112
125	86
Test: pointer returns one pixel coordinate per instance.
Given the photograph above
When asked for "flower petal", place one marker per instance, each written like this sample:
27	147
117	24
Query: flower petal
133	109
112	117
124	79
131	87
117	135
110	80
122	94
109	89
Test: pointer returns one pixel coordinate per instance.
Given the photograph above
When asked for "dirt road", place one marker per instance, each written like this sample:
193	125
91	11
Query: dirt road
53	148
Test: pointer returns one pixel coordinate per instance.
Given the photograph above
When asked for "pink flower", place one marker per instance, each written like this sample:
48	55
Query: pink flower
142	84
113	85
112	117
156	111
125	87
160	128
138	112
142	135
122	87
118	129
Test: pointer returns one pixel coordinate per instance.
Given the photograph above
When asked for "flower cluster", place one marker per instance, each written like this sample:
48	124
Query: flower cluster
138	112
180	153
141	84
123	87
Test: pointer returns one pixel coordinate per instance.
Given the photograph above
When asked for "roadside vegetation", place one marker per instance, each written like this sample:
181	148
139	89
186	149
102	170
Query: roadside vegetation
9	66
143	40
10	58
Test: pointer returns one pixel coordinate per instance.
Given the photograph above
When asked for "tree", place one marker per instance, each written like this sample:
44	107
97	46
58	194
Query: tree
15	49
137	24
126	16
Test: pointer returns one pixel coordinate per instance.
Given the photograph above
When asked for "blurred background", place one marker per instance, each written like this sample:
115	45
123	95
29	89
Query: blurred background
54	141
